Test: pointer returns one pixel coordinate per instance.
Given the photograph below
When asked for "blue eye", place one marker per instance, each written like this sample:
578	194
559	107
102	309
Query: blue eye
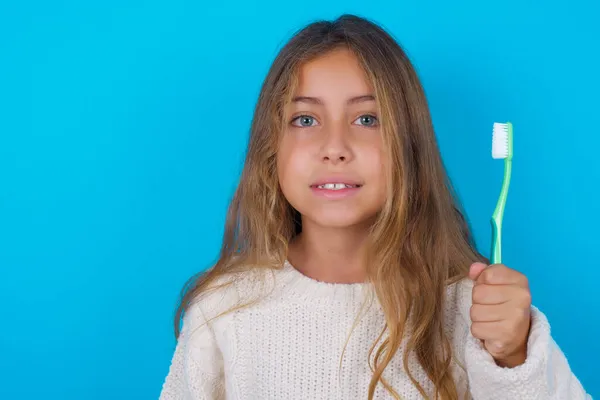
304	121
367	120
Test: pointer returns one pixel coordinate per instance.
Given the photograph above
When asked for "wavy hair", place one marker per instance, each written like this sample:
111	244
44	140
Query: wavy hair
420	242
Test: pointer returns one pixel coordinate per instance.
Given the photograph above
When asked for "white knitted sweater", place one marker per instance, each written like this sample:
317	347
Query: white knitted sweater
293	345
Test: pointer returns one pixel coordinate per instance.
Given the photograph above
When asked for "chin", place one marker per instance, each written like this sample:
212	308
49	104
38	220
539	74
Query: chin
339	219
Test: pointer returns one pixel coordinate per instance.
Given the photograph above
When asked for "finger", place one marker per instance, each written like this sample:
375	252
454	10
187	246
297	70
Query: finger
499	274
497	336
489	313
499	294
476	270
487	330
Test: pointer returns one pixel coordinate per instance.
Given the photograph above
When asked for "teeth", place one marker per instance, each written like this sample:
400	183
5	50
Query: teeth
336	186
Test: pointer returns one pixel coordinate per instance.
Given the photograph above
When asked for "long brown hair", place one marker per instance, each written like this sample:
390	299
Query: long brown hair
420	242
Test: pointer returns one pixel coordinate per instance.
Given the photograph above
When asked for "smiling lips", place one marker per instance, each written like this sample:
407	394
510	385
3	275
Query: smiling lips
336	188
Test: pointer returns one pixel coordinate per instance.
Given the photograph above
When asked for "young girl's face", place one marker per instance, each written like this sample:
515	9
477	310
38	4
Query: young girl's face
333	137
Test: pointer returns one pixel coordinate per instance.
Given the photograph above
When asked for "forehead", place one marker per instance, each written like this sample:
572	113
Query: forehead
337	73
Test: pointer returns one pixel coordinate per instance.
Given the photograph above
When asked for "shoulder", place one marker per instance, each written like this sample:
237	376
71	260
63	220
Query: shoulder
227	293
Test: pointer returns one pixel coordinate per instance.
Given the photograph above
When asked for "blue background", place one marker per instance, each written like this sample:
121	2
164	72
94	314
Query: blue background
122	129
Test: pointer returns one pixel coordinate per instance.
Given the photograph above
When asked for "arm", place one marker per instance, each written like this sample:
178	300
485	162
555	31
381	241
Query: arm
197	365
545	374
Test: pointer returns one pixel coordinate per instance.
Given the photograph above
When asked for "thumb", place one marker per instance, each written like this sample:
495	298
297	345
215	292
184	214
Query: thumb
476	270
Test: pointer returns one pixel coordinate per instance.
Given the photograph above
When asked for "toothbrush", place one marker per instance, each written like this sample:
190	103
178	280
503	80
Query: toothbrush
502	148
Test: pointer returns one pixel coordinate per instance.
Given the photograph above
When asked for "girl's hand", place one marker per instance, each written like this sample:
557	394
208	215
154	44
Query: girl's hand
501	312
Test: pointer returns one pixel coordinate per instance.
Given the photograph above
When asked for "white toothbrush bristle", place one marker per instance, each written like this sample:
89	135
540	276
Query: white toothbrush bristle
500	141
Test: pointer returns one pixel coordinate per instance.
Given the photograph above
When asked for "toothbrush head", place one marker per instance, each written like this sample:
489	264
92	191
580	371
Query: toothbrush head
502	141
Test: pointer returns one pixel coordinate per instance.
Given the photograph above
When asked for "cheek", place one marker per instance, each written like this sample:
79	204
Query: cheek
374	161
292	164
375	166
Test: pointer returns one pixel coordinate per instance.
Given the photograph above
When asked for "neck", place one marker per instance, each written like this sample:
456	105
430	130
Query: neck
335	255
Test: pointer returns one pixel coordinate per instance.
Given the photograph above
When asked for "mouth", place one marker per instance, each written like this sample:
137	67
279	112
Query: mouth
336	186
336	190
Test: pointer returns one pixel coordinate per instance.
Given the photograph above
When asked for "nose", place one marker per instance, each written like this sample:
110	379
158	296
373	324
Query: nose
336	145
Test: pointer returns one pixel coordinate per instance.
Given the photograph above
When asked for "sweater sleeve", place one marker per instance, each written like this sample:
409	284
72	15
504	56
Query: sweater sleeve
546	373
196	370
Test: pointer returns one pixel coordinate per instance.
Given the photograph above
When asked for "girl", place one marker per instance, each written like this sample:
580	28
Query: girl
347	270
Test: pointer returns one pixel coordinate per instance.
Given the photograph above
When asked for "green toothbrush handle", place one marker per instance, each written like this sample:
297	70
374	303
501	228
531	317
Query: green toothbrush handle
496	253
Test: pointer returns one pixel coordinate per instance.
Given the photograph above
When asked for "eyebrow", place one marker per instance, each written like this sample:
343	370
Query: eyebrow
318	101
